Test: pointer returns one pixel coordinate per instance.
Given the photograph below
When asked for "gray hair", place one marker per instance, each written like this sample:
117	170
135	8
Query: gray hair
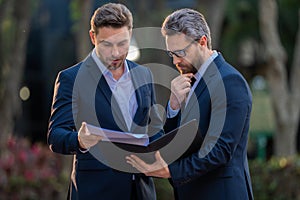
189	22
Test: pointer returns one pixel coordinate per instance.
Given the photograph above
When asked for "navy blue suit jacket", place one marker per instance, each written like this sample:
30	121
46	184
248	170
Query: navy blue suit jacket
81	93
218	167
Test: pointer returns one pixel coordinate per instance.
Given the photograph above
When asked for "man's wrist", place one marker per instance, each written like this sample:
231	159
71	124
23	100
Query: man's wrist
174	104
82	149
170	112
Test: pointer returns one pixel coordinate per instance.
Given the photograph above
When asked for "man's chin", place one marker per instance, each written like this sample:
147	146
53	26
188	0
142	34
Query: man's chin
186	71
113	67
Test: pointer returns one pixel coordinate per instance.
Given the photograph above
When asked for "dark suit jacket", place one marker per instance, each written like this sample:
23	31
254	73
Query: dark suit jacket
82	94
218	168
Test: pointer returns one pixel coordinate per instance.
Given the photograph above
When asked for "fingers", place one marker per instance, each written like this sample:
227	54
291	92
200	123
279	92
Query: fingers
137	163
86	139
180	87
182	80
181	84
157	169
145	168
158	156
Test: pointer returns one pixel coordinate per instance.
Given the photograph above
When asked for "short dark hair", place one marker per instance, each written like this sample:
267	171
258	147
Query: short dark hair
111	15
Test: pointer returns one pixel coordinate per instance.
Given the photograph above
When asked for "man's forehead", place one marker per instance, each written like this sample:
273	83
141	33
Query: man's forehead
113	34
176	41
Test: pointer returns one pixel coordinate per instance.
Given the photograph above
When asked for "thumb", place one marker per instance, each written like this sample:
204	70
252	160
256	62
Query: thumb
85	129
83	124
160	159
158	156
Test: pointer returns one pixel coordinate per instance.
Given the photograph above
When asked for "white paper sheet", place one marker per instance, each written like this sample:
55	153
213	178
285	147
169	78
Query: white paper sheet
116	136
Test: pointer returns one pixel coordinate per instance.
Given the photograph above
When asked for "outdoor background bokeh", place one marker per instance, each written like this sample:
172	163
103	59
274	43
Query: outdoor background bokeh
40	37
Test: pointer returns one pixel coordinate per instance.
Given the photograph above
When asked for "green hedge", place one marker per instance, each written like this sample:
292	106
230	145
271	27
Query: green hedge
276	179
33	172
164	190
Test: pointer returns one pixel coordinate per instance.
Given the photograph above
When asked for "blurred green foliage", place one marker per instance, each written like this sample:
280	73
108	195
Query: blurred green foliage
262	117
241	22
33	172
276	179
163	188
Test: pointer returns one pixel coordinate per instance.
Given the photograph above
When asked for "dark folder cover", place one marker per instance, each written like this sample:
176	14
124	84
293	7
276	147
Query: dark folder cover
179	142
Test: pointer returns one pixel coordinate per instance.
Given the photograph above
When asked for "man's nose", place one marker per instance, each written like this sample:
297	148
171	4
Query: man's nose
115	51
176	60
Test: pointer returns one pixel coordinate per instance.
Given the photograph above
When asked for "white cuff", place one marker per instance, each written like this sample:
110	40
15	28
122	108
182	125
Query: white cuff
170	112
84	150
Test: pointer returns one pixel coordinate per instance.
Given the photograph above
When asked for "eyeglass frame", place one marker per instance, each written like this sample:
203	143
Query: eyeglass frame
172	53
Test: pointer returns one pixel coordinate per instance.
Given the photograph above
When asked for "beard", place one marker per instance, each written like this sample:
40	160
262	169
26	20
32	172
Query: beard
116	64
114	67
184	69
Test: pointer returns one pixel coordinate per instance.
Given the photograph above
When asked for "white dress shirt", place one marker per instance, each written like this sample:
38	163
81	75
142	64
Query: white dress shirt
122	90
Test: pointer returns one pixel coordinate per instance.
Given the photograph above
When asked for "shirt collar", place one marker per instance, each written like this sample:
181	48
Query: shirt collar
204	66
103	69
201	72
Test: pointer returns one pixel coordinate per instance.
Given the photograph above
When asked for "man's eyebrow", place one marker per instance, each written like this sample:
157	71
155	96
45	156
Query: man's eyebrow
105	41
125	40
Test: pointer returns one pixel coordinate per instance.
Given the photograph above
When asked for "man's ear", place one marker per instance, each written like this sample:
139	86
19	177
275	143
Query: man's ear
92	36
130	32
203	41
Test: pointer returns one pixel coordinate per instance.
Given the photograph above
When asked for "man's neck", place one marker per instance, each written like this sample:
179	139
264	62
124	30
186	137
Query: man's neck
208	54
117	73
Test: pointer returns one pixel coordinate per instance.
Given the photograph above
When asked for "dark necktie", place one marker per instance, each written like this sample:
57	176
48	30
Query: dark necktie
193	80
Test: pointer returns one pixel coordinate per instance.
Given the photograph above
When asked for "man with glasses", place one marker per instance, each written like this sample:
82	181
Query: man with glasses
215	166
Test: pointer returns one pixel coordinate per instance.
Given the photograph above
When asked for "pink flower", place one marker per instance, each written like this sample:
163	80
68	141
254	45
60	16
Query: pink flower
8	161
11	143
29	176
36	149
23	156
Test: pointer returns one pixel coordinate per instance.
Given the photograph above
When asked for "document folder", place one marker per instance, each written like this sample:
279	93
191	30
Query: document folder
179	142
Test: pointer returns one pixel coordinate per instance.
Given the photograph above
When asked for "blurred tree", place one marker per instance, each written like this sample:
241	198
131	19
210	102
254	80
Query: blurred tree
282	76
215	19
154	10
80	15
14	29
240	29
264	42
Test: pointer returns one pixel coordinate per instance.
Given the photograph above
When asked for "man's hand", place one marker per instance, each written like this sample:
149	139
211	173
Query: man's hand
158	169
180	87
86	139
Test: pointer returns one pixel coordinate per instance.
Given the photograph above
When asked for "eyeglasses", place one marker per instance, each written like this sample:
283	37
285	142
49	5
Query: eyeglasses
180	53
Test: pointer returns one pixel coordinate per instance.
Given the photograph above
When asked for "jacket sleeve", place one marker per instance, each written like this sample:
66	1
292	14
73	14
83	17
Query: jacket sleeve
62	134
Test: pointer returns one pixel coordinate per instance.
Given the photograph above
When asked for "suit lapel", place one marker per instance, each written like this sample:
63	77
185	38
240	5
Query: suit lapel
104	88
139	80
207	78
98	77
138	93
